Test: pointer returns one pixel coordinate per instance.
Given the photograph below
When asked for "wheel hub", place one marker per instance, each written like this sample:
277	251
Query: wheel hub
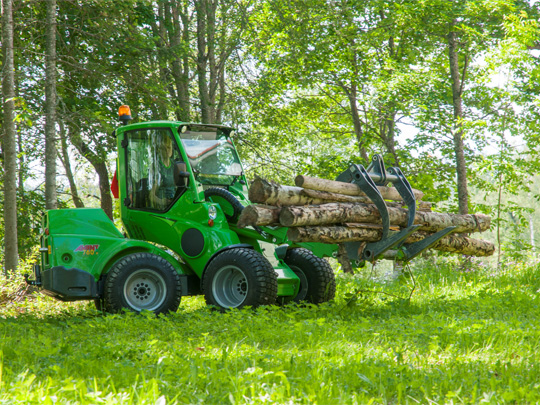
230	287
145	289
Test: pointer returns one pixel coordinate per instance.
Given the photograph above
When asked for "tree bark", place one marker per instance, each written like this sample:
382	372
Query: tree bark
202	61
314	183
339	234
259	215
457	101
11	251
338	213
271	193
64	158
100	166
51	201
180	64
343	259
335	197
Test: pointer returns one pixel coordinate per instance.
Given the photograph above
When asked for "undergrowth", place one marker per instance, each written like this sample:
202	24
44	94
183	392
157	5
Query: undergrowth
467	333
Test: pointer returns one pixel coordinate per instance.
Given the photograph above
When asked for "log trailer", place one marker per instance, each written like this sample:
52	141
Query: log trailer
182	189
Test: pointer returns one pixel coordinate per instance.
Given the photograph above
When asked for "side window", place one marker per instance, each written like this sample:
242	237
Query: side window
150	157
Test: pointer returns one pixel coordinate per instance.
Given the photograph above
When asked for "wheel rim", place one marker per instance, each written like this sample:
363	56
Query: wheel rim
230	287
303	290
145	289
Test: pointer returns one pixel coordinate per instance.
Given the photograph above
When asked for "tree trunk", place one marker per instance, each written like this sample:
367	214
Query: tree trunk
64	158
202	61
339	213
352	95
457	101
343	259
100	166
11	251
105	189
212	66
340	234
180	63
50	108
388	193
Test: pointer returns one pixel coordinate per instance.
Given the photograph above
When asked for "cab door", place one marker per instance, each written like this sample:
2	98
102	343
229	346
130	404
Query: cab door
151	161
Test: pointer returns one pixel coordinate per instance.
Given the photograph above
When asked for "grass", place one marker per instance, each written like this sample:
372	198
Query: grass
464	336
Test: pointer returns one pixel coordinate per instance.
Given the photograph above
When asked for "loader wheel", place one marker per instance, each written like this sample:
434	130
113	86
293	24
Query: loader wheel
317	281
239	277
232	208
142	281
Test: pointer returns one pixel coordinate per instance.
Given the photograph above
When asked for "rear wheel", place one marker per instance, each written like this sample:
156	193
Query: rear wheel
239	277
317	281
142	281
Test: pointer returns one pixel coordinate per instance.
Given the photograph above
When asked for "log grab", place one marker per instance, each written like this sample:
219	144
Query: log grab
368	180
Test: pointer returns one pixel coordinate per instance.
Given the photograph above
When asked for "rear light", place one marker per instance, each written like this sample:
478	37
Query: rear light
46	231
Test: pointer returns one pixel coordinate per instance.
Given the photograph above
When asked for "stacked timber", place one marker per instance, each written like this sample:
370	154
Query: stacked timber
327	211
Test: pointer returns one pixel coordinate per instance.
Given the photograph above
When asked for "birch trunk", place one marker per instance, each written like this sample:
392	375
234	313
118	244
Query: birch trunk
50	108
335	197
339	234
11	251
457	102
270	193
338	213
259	215
314	183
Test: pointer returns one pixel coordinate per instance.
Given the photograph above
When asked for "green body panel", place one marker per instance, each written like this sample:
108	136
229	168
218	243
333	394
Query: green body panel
85	238
88	240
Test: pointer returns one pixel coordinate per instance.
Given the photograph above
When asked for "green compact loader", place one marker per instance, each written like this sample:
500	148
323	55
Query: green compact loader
181	188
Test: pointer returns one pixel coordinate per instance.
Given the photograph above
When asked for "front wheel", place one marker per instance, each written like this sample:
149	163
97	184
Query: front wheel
142	281
239	277
317	281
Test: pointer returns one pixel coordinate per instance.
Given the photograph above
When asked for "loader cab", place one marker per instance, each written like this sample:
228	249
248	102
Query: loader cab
165	171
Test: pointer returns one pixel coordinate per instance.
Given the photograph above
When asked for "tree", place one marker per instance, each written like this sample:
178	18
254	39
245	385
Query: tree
9	143
50	107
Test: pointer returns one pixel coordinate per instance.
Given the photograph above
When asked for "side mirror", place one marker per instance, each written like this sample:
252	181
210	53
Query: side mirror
181	175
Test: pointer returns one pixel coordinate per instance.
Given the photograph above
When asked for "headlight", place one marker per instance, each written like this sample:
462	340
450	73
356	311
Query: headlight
212	212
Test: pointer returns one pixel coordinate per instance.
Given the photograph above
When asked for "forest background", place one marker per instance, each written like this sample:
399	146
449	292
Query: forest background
448	91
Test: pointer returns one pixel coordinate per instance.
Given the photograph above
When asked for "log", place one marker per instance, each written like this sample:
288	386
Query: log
314	183
339	234
259	215
338	213
271	193
335	197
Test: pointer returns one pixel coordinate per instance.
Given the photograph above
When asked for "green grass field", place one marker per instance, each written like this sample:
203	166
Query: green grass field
468	335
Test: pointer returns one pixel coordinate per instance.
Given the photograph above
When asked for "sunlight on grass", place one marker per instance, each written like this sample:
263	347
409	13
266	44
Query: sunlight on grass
468	334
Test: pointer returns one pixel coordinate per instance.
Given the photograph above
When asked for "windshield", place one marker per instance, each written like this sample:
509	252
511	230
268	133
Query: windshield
211	154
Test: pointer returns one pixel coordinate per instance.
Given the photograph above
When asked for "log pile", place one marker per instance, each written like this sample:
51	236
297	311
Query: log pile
326	211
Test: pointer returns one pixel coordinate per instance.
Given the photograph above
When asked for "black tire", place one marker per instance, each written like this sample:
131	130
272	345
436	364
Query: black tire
239	277
317	281
232	208
142	281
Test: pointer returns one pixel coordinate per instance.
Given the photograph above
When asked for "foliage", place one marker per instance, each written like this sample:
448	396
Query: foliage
468	334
